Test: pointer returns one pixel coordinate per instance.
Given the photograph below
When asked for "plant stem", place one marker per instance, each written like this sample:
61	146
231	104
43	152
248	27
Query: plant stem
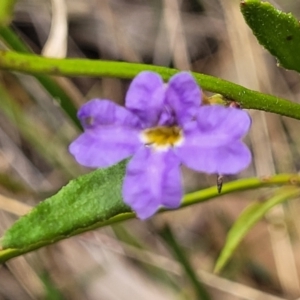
189	199
35	64
49	84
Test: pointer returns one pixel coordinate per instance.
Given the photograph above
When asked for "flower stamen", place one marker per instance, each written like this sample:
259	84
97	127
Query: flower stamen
162	136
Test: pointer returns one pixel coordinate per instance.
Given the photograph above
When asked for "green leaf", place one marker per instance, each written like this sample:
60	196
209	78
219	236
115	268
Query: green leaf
247	219
85	203
94	201
277	31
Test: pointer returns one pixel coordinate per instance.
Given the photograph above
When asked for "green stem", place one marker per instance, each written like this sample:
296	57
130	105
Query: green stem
181	257
50	85
189	199
35	64
241	185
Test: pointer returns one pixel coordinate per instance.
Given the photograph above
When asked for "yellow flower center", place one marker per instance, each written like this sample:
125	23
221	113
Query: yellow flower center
162	136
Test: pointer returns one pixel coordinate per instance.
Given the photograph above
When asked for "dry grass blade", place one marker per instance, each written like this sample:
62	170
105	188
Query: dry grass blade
236	290
172	29
14	206
56	45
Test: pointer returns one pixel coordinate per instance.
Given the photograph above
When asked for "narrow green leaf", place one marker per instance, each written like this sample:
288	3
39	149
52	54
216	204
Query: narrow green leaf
277	31
84	202
247	219
94	201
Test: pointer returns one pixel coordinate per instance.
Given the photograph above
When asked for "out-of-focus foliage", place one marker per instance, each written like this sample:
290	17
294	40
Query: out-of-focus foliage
6	11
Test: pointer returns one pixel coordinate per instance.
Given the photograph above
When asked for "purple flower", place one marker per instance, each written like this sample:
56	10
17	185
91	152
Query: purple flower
161	127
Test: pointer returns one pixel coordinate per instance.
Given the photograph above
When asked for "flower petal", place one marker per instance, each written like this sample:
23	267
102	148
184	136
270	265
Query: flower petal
212	143
152	179
105	112
216	126
229	159
145	97
104	146
220	120
183	96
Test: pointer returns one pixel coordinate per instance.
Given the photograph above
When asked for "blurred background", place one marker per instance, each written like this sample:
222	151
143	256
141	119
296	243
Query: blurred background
139	260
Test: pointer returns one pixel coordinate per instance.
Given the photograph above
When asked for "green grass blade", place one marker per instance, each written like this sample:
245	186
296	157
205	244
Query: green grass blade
181	257
247	219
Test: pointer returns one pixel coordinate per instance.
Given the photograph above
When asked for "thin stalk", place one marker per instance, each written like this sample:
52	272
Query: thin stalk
181	257
189	199
35	64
